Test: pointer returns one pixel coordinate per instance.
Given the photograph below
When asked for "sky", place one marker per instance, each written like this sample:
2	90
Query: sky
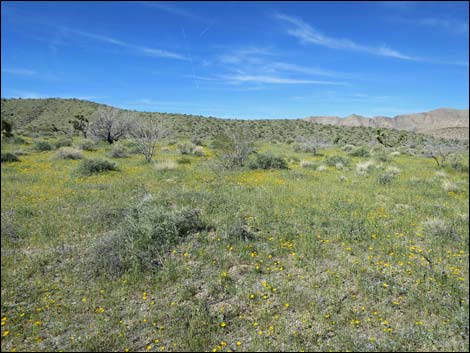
248	60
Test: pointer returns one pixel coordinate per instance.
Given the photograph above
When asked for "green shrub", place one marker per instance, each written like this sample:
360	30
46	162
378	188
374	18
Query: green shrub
310	164
63	142
118	151
361	151
150	230
267	161
183	160
304	147
68	153
185	148
88	145
41	146
333	160
93	166
9	157
385	178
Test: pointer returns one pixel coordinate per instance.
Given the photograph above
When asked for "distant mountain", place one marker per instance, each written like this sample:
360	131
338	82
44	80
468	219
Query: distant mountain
444	122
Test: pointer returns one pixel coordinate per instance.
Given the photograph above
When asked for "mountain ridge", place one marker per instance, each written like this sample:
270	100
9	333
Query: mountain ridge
440	122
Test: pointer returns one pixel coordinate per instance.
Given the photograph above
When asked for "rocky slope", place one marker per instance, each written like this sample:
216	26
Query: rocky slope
444	122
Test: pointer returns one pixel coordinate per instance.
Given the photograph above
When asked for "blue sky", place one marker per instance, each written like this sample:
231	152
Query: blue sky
240	59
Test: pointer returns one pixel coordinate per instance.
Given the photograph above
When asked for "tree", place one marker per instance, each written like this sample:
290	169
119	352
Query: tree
147	134
234	147
110	125
81	124
440	153
384	139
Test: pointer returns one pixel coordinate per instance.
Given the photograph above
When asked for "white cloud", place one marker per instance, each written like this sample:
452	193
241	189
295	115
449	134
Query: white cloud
307	34
17	71
275	80
136	48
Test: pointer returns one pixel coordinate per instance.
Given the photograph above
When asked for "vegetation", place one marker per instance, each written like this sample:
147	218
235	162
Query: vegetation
202	253
94	166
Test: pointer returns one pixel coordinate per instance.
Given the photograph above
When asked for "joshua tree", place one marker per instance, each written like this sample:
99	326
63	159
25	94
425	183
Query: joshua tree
81	124
383	139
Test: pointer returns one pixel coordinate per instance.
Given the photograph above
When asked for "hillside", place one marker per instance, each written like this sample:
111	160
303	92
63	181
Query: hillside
445	123
36	117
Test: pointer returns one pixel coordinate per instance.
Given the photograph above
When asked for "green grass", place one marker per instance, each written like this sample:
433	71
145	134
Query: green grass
289	260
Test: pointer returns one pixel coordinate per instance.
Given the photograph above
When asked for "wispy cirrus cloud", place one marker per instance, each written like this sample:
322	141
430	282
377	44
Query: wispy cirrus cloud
240	78
138	49
265	65
171	8
307	34
18	71
451	25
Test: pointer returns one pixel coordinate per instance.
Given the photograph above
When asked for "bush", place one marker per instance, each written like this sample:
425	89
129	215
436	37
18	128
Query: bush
9	157
87	145
41	146
63	142
150	230
165	165
185	148
364	168
183	160
309	164
68	153
198	151
118	151
304	147
267	161
382	157
347	148
333	160
361	151
385	178
94	166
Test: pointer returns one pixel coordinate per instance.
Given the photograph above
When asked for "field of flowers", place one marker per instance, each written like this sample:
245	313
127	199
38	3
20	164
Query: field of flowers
369	256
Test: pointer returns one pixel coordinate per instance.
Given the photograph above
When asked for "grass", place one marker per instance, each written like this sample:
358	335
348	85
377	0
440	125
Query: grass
288	259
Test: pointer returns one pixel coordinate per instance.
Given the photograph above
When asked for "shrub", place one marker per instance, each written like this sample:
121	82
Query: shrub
197	141
309	164
304	147
458	164
68	153
385	178
347	148
339	166
63	142
333	160
150	230
267	161
198	151
93	166
9	157
118	151
183	160
437	227
41	146
321	168
393	170
185	148
394	153
361	151
87	145
382	157
364	168
450	186
165	165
